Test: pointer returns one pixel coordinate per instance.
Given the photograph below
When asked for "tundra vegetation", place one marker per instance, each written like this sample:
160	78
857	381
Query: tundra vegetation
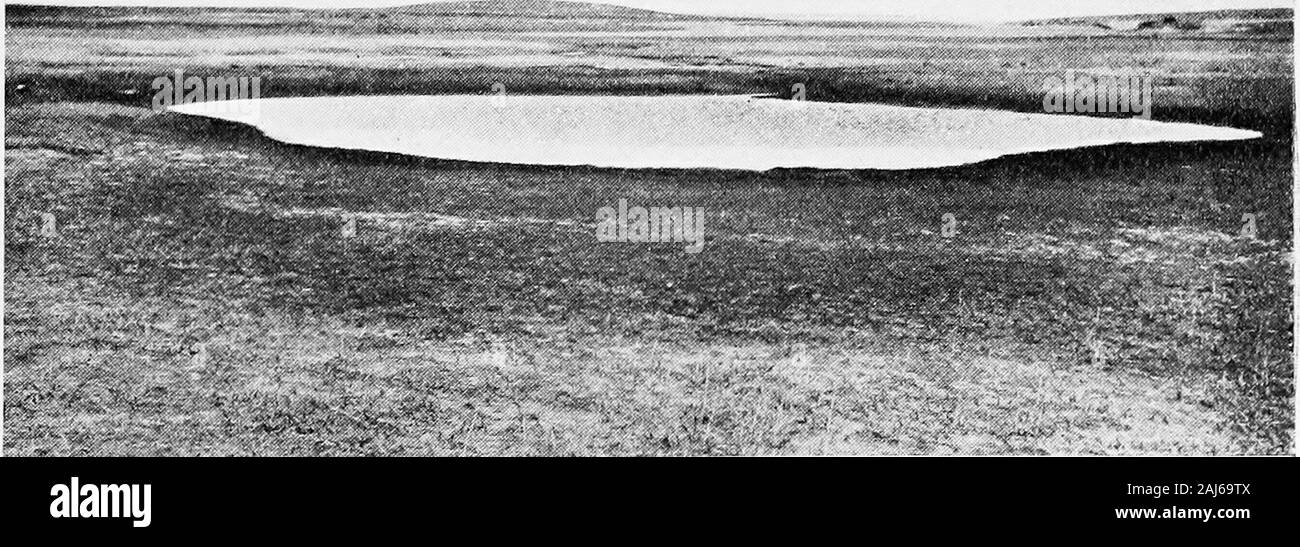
176	285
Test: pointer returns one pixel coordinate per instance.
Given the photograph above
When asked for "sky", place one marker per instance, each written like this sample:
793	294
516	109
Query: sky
933	10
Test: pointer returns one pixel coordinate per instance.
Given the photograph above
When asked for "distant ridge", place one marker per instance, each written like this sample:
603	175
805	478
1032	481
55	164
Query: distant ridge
505	9
550	11
534	9
1191	16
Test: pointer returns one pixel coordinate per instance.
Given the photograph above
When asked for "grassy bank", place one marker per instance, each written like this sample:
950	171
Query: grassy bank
200	297
179	234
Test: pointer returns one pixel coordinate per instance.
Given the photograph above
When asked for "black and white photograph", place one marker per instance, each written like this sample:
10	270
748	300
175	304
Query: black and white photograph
544	228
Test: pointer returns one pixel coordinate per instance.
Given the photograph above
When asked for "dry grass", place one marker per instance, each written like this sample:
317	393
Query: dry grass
200	300
187	309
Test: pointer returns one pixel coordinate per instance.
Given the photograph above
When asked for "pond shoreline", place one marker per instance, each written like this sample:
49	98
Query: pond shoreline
736	132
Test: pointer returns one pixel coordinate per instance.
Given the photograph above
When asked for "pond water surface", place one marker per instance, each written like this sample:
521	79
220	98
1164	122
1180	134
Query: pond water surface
725	132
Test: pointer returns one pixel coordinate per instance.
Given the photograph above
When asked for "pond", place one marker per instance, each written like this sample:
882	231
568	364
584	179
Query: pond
723	132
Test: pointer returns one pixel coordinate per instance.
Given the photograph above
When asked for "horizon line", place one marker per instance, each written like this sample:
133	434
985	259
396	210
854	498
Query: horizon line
828	17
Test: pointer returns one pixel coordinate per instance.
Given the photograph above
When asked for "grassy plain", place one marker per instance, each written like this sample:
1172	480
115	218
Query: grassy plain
200	299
